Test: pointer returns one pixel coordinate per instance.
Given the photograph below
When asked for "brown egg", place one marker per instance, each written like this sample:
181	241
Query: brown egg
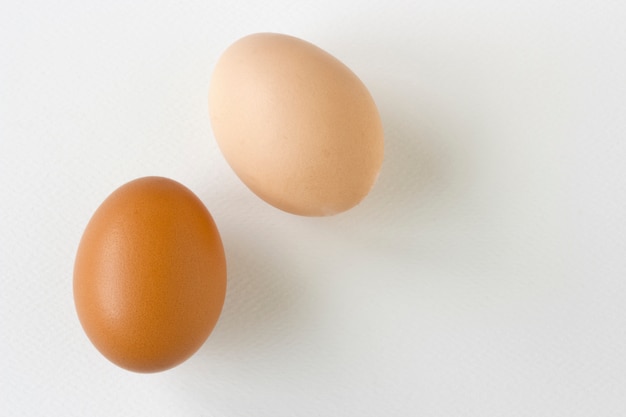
150	275
295	124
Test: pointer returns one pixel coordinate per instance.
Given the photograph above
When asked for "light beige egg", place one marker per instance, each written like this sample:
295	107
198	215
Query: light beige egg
297	126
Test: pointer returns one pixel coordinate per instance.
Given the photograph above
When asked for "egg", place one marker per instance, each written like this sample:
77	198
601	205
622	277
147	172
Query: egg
296	125
150	275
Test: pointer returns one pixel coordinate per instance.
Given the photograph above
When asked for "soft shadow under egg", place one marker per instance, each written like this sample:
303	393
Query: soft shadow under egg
264	305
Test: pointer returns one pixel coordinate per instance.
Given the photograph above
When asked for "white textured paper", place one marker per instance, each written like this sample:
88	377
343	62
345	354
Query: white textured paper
484	276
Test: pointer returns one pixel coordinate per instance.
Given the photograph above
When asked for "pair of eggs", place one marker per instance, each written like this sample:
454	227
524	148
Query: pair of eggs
297	127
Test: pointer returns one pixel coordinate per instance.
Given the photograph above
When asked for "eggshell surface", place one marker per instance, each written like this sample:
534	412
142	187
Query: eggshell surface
297	126
149	275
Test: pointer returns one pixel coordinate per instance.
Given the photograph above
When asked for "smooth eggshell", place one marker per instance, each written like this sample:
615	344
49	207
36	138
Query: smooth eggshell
296	125
150	275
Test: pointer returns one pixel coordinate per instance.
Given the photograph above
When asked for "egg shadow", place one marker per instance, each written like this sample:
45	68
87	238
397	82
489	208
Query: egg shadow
264	305
426	171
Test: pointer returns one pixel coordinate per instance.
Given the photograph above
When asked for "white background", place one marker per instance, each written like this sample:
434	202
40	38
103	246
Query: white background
485	275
